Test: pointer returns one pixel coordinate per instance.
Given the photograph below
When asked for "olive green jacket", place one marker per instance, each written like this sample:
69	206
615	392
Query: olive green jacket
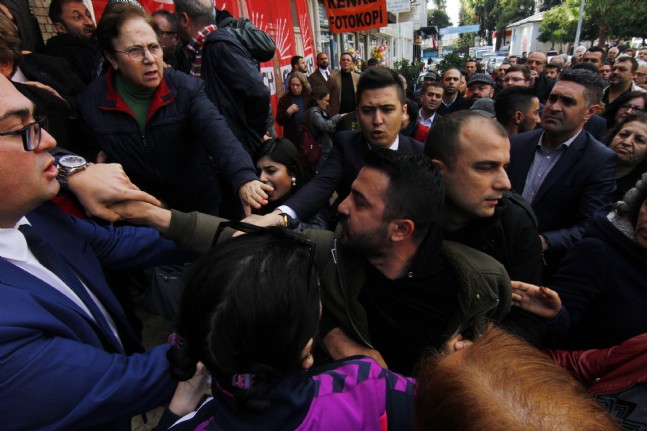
484	287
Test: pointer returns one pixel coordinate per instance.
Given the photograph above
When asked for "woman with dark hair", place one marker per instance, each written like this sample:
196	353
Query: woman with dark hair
633	102
280	166
250	314
410	125
158	123
321	125
290	113
629	141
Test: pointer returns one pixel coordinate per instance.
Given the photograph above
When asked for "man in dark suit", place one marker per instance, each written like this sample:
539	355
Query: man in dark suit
564	173
319	78
70	359
542	84
452	99
380	107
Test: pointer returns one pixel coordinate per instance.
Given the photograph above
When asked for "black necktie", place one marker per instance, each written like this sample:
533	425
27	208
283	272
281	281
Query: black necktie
51	259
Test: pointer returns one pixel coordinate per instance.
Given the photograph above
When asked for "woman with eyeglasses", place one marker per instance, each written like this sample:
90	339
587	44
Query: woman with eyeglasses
158	123
629	141
633	102
250	314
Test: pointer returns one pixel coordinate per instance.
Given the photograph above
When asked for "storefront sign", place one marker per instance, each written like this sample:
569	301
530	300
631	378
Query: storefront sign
347	16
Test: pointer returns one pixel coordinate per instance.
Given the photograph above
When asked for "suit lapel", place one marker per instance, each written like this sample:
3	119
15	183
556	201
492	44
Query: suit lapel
56	227
524	155
21	279
563	165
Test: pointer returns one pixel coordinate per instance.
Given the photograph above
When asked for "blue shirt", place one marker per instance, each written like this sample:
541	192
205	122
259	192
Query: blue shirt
545	160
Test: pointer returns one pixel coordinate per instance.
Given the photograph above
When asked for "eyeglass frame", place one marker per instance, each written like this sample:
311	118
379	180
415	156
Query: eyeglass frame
634	108
25	133
278	231
142	49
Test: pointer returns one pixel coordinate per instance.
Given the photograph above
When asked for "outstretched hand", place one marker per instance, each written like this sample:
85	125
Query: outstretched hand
102	184
542	301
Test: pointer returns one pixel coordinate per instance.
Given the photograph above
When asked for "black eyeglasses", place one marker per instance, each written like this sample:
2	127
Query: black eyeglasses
138	53
30	134
281	232
167	33
634	108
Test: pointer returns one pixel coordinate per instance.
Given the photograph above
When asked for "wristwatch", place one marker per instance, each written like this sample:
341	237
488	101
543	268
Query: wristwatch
69	165
286	220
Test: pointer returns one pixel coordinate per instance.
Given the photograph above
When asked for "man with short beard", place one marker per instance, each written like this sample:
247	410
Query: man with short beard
452	99
320	76
75	40
517	109
430	100
621	80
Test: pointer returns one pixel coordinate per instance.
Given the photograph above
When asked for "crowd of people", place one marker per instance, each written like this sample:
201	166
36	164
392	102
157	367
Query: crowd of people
469	254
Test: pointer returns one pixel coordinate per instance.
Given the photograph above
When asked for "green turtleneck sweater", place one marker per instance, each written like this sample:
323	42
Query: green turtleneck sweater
138	99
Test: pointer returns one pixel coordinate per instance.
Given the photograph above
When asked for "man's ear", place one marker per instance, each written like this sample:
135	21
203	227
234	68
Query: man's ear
442	168
184	20
404	110
60	28
591	111
402	229
518	117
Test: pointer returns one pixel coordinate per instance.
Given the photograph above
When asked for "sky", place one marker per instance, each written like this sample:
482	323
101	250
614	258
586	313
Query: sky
453	6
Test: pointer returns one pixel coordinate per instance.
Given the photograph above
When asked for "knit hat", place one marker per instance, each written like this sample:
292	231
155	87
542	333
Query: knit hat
484	106
482	78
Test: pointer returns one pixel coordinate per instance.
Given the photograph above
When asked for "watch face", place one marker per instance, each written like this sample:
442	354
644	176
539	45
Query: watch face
72	162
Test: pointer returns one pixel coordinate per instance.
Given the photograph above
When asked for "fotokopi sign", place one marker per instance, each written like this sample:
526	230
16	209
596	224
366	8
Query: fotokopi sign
345	16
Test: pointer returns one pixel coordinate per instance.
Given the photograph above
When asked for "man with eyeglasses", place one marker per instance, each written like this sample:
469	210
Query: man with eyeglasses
621	80
75	40
517	75
70	359
168	34
561	170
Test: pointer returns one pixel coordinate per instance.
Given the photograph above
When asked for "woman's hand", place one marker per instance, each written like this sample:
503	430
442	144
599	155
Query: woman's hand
542	301
292	108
